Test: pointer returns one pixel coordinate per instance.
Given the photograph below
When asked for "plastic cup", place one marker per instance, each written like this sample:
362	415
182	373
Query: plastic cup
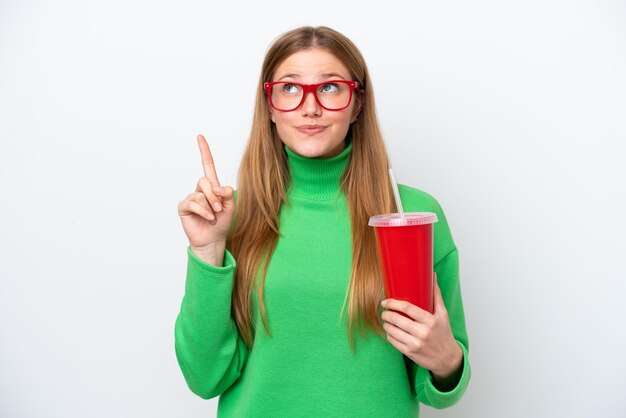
405	246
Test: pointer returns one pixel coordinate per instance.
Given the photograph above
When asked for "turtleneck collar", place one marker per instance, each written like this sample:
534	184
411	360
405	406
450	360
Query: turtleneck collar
317	178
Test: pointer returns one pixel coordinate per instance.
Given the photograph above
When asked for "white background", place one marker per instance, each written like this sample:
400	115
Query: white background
512	114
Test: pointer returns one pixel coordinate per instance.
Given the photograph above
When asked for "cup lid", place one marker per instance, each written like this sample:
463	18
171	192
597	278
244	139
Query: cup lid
410	218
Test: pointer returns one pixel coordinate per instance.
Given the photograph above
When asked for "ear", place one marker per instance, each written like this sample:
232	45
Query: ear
357	106
270	109
272	115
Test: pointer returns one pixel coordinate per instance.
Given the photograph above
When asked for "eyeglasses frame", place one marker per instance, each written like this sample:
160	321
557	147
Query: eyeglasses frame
309	88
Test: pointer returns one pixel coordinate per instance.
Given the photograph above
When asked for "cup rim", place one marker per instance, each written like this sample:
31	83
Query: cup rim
409	219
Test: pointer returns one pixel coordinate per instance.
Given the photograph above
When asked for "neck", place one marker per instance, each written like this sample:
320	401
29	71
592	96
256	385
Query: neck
317	178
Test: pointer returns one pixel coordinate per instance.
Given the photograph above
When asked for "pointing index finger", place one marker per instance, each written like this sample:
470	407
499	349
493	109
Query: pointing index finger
207	161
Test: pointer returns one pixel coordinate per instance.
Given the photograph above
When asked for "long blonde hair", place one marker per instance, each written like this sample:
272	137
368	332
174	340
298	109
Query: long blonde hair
264	178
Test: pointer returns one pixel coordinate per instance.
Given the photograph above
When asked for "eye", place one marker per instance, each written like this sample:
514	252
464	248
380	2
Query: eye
291	88
329	88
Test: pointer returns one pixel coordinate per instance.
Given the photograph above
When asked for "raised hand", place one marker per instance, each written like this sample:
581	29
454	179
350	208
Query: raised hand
206	214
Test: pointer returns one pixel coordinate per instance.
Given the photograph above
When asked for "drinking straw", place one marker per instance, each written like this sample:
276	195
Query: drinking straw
396	194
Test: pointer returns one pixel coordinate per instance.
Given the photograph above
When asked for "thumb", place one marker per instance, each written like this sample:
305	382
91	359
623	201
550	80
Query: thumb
226	194
440	307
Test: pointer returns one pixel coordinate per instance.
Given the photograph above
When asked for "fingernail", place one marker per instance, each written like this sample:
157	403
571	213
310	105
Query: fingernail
384	303
217	206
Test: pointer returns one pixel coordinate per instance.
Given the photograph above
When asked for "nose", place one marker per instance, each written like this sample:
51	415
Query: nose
310	107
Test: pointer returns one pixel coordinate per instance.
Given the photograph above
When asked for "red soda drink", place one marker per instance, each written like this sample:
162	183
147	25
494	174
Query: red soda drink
405	247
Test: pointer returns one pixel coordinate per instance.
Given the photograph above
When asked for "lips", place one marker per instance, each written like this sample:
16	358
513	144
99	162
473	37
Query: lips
310	129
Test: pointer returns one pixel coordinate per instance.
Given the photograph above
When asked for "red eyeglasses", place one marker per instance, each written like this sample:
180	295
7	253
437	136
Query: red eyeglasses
286	96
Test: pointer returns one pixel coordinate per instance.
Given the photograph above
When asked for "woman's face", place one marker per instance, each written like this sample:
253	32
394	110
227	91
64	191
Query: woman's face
310	130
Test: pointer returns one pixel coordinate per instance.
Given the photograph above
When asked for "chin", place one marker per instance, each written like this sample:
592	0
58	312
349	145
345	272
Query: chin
310	150
318	149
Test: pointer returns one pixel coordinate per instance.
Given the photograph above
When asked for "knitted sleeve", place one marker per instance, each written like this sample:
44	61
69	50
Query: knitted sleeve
209	349
448	280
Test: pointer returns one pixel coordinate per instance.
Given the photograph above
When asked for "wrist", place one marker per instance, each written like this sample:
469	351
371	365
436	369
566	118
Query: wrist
451	365
212	253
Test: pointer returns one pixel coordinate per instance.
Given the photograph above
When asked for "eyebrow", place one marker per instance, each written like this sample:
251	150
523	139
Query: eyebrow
328	75
325	75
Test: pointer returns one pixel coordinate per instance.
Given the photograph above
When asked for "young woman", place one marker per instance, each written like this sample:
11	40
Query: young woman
282	273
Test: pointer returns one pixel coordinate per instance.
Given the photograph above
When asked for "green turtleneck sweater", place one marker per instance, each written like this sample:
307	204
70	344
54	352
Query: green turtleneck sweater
306	368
